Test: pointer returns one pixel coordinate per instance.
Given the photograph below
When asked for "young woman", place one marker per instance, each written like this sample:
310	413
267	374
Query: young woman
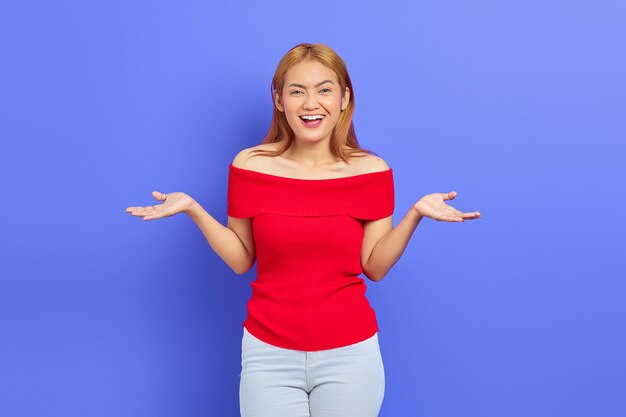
315	210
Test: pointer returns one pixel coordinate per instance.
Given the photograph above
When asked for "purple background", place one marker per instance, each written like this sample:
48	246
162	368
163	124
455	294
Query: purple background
519	106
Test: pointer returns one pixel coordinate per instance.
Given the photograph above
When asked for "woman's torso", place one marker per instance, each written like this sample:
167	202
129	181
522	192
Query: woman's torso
308	236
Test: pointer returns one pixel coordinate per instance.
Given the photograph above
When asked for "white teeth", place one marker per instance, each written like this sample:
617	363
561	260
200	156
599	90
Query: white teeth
317	116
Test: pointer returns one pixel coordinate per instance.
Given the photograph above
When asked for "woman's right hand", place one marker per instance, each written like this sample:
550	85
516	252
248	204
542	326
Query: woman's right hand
172	203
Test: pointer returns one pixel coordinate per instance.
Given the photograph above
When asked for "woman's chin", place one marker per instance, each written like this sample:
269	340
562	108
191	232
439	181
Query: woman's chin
312	138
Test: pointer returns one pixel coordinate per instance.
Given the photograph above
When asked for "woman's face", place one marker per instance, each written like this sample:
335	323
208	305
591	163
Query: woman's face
312	89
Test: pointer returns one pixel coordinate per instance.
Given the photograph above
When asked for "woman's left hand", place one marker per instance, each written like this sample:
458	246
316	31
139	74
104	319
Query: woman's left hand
434	206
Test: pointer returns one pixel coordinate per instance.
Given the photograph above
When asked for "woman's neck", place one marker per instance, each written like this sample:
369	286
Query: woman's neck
311	155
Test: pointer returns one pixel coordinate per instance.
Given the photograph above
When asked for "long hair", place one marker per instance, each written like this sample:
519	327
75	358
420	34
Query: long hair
343	133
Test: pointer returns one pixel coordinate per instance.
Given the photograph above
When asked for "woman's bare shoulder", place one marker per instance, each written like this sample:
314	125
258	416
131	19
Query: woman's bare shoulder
243	158
370	163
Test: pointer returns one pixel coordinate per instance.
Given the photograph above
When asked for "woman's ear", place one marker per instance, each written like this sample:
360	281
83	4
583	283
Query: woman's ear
345	100
277	101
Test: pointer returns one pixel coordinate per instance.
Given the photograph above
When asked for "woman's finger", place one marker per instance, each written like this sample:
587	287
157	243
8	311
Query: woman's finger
159	195
470	216
450	195
154	216
140	211
474	214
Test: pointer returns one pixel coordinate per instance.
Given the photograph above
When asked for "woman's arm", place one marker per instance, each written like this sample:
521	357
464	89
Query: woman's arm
388	245
234	244
387	249
238	252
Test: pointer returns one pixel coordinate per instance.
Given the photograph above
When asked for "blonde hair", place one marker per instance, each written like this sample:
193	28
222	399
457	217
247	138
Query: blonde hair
343	133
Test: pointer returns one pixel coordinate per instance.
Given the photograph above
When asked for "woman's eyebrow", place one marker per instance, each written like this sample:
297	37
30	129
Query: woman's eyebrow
301	86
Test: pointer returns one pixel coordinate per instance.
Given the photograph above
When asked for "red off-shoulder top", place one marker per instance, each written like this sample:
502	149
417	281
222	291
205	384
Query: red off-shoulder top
308	294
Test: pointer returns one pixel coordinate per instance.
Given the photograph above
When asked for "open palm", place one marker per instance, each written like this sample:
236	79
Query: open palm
172	203
434	206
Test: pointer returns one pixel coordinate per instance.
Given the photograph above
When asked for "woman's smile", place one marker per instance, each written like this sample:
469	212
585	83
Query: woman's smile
312	121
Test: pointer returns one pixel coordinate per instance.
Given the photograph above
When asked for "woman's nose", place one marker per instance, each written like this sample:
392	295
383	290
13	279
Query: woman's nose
310	102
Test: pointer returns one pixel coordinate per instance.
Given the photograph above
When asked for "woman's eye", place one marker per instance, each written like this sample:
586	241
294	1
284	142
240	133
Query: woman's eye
323	90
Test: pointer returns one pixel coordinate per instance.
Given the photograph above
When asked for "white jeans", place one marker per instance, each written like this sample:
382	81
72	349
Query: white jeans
344	382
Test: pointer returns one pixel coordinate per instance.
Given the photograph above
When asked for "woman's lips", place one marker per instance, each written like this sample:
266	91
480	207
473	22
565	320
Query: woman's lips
312	123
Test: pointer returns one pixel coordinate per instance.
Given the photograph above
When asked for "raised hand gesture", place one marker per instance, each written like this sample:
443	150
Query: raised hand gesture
434	206
172	203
